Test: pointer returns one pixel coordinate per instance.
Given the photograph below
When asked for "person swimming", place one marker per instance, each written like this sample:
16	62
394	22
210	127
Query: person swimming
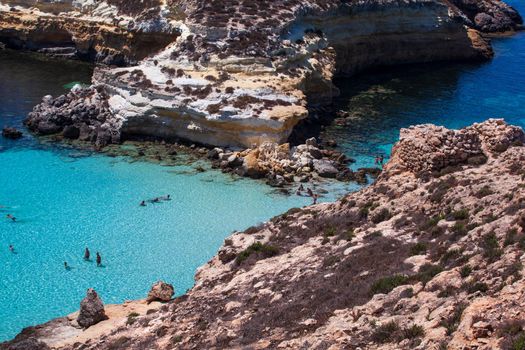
155	200
66	266
99	259
310	192
9	216
11	248
143	203
87	254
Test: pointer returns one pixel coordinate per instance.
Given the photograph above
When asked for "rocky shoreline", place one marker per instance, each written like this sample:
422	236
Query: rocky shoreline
428	257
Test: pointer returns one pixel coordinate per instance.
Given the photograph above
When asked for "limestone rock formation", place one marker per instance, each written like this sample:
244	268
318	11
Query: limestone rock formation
418	260
238	73
160	291
91	310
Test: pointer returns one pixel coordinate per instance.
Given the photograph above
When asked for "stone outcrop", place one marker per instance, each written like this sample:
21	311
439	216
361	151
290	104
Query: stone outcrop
448	148
160	291
238	73
418	260
91	310
11	133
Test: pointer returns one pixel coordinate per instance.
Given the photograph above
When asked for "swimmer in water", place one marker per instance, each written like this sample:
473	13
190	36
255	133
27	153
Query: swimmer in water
310	192
99	259
66	266
87	254
9	216
143	203
11	248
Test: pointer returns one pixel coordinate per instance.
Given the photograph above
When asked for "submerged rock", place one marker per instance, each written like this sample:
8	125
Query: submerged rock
11	133
160	291
91	310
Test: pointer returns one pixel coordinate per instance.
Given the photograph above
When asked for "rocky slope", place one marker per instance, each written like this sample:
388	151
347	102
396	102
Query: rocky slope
233	73
428	257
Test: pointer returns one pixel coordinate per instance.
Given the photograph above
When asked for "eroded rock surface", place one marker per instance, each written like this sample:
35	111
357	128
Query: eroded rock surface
419	260
238	73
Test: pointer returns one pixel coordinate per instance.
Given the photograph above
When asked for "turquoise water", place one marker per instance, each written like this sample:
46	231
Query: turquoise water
454	95
64	203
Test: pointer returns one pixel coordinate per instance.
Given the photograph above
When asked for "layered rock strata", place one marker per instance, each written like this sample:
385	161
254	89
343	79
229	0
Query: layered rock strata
109	32
429	257
243	73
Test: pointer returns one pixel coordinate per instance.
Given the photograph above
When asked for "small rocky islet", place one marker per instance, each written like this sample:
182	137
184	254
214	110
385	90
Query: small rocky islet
429	256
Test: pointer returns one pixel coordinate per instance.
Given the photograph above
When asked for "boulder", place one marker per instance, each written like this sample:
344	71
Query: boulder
311	142
48	128
160	291
91	310
11	133
71	132
325	168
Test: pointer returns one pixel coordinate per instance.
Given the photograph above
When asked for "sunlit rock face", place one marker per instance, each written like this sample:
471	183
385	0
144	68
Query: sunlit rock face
238	73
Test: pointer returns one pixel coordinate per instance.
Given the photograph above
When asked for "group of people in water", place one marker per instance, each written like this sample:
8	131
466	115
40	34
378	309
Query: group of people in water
87	257
156	200
309	193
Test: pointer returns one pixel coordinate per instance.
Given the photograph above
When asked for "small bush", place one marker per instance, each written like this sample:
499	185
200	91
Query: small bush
386	333
391	332
462	214
427	272
386	284
474	287
484	191
415	331
382	215
491	247
264	250
330	231
465	271
132	317
510	237
375	234
418	248
519	342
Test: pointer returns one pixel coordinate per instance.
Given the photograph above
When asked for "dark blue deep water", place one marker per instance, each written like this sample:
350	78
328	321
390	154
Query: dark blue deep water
452	95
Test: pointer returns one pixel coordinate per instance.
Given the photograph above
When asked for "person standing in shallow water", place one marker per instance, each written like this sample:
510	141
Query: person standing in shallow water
99	260
87	254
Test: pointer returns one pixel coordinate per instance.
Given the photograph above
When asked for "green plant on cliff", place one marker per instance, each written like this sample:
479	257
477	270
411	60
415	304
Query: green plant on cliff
263	250
387	284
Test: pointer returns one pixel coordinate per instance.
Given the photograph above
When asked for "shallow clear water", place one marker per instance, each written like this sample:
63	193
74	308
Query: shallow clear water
454	96
64	204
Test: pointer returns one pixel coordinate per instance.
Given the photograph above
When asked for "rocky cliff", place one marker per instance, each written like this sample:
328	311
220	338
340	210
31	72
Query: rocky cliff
429	257
233	73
